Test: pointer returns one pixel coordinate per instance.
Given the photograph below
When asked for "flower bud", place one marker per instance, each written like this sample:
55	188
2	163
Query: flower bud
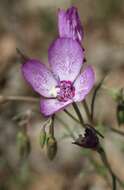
120	113
89	140
42	138
51	147
69	24
23	144
120	107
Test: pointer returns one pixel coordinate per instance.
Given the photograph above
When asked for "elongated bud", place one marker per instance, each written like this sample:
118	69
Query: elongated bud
23	144
51	147
120	108
120	113
69	24
42	137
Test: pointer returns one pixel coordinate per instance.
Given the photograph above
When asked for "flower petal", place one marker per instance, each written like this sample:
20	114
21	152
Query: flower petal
69	24
84	83
66	58
39	77
50	106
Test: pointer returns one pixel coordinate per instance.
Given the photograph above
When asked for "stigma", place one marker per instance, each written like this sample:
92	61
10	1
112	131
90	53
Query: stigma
66	91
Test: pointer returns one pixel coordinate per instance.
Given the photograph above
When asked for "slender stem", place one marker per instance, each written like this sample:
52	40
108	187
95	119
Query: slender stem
78	113
105	161
18	98
23	57
114	182
66	127
110	128
116	131
94	97
70	115
35	99
87	110
85	124
51	127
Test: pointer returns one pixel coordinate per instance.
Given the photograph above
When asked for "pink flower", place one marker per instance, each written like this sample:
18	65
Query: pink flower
69	24
63	83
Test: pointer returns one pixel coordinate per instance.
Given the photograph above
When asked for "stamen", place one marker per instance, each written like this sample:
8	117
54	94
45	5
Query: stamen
53	91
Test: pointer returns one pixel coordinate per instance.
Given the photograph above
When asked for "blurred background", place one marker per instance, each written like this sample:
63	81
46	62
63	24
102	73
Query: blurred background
31	25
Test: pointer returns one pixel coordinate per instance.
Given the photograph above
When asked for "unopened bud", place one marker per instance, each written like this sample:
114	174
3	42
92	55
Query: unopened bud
42	137
120	113
23	144
120	108
51	147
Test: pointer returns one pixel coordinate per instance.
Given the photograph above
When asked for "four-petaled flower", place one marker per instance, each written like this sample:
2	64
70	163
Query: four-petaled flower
64	82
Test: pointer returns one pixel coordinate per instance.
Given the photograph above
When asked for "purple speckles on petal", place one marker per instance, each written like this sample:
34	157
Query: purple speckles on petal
69	24
39	77
84	83
66	58
50	106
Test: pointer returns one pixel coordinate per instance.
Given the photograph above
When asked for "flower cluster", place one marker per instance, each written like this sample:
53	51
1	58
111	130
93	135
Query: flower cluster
65	81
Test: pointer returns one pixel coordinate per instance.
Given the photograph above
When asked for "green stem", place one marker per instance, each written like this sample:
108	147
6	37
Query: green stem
84	125
105	161
87	110
70	115
66	127
94	98
116	131
110	128
114	182
19	98
78	113
51	128
23	57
